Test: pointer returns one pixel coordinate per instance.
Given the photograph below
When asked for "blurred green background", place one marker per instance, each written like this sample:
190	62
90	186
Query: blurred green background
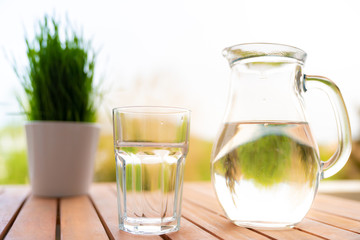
14	168
169	53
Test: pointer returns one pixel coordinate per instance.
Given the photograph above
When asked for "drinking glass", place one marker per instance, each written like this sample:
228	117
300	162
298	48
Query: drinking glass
150	144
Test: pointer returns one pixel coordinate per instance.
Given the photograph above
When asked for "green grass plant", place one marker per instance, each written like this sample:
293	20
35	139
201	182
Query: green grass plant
58	80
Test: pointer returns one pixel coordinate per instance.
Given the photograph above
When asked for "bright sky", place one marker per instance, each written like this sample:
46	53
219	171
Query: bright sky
169	52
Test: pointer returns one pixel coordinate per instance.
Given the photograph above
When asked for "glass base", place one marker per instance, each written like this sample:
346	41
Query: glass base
149	226
265	225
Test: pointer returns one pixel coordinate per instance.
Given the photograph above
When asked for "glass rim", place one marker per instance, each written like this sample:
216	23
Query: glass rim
248	50
151	110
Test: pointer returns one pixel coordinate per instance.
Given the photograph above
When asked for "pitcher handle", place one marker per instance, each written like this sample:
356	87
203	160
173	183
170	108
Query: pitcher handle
340	157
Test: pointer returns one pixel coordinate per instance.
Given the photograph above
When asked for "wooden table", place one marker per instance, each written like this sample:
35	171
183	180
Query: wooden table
23	216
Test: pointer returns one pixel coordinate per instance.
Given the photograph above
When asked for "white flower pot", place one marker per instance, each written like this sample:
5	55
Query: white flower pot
61	157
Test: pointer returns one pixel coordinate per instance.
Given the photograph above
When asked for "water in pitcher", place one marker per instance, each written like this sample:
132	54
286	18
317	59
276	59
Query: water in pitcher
265	172
150	182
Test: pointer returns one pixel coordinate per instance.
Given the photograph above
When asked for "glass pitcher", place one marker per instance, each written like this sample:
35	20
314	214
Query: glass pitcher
265	163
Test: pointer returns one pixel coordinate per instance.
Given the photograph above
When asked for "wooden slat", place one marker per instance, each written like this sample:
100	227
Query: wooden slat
187	229
216	224
204	197
190	231
290	234
337	206
327	231
11	199
337	221
36	220
105	201
79	220
203	218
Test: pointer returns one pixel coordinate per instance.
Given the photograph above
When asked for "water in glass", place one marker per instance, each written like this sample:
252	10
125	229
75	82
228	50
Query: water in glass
150	186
